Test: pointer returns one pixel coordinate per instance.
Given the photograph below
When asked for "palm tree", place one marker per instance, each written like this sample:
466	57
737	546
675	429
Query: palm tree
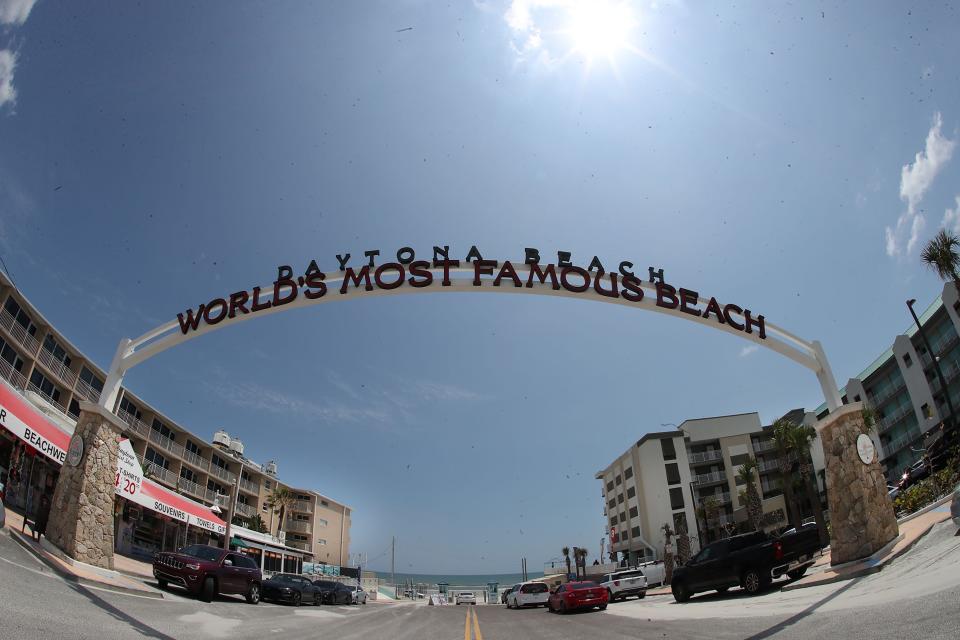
279	501
566	556
667	556
711	509
801	438
580	558
941	255
754	505
683	544
782	429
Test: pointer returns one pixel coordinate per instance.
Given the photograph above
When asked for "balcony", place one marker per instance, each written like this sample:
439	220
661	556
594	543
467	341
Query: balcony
165	443
296	544
190	487
250	487
705	456
194	460
303	506
245	510
16	331
765	466
940	346
55	403
709	478
890	420
211	496
62	372
298	526
900	442
761	446
87	391
159	473
722	497
222	473
11	375
135	424
894	388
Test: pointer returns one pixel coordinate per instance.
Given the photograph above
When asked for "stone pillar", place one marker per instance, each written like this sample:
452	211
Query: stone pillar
81	515
862	518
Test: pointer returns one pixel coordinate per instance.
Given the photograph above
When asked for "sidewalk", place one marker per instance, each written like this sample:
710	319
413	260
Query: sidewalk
77	572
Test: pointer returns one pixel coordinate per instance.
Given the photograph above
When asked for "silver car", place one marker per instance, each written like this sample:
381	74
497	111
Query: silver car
359	595
466	597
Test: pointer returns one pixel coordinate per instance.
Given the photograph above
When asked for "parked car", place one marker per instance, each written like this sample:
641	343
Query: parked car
359	595
654	572
3	514
503	596
620	585
334	592
750	560
529	594
954	508
577	595
206	571
466	597
286	587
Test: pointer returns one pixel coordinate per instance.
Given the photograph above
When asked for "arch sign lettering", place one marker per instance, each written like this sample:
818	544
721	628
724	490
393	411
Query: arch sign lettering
406	272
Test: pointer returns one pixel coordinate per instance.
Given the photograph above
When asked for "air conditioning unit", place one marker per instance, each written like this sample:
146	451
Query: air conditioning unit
236	445
222	438
270	468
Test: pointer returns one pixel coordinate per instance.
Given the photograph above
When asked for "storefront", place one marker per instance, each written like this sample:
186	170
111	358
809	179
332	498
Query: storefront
269	554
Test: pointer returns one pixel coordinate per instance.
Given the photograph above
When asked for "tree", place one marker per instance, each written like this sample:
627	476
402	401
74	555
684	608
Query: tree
941	256
255	522
566	556
801	438
279	501
667	553
711	511
683	544
580	559
754	505
782	438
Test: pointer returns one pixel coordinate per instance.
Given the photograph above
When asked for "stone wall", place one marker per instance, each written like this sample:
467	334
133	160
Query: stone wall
862	518
81	514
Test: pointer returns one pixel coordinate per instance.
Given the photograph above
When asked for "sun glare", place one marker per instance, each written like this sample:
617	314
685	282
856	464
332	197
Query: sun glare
599	28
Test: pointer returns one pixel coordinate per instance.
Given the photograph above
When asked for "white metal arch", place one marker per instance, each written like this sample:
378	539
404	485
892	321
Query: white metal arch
133	352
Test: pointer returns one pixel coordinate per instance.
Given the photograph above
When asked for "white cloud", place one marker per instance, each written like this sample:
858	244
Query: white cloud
747	350
15	11
951	218
8	62
915	180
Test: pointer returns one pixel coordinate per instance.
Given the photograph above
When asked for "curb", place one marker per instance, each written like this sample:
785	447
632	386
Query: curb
930	507
69	577
876	568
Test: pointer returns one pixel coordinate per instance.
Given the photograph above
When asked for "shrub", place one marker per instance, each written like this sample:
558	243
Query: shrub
924	492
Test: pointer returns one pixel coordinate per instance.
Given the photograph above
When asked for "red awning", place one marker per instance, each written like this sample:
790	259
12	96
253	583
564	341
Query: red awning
30	425
162	500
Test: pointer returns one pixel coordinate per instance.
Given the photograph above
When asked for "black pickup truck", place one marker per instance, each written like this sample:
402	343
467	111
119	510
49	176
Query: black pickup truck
751	560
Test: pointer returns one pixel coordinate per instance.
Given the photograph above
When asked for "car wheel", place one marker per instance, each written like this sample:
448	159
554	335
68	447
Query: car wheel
161	583
563	607
680	592
609	595
796	574
296	599
752	581
317	600
602	607
208	590
253	593
641	595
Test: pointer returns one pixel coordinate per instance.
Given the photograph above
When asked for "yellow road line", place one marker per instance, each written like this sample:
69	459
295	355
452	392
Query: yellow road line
466	626
476	625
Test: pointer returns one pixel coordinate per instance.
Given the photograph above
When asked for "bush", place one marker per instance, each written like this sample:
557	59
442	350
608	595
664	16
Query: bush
924	492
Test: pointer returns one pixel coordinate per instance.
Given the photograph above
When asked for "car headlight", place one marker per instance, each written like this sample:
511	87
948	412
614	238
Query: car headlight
287	589
193	567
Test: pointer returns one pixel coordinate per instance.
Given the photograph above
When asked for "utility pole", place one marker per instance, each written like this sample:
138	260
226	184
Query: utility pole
393	556
233	500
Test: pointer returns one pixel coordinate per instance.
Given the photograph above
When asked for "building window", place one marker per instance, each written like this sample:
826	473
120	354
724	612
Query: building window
613	521
74	409
216	487
907	360
612	503
187	474
217	461
20	316
623	517
676	498
156	458
635	532
610	486
669	452
673	473
926	411
856	398
736	461
631	492
128	407
620	499
324	503
11	356
628	473
162	429
43	385
633	512
192	448
91	379
267	484
619	480
680	522
58	352
321	522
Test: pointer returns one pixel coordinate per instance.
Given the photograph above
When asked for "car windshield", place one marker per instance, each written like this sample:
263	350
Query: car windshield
583	585
203	552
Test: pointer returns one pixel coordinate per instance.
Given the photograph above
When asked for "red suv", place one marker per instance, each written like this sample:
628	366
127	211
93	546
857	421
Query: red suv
205	571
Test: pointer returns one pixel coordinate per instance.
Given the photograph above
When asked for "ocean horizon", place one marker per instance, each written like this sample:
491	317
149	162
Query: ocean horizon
462	580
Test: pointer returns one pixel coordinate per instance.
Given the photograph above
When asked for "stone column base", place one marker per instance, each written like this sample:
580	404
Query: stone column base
81	515
862	519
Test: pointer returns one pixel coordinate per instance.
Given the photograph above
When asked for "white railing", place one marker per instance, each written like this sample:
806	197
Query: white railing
296	544
36	389
66	375
705	478
302	505
245	509
299	526
944	343
889	391
165	443
768	465
190	487
704	456
211	496
895	417
18	333
87	391
13	376
250	487
898	443
135	424
764	445
195	460
222	473
161	474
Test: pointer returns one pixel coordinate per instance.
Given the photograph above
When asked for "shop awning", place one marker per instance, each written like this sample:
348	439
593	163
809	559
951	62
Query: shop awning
30	425
238	543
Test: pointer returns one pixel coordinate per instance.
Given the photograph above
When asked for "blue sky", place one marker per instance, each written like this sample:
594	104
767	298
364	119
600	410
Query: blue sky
791	158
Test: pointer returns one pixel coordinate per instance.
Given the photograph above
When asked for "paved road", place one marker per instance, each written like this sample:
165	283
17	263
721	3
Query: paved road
916	598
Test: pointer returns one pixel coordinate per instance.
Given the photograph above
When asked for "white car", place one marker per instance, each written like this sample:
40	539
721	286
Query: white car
654	572
466	597
359	595
620	585
528	594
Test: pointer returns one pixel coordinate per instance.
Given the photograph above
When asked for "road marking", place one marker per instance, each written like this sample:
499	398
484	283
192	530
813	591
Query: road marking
476	625
466	626
31	569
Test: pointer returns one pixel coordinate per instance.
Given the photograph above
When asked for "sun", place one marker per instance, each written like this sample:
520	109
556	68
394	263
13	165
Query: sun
600	28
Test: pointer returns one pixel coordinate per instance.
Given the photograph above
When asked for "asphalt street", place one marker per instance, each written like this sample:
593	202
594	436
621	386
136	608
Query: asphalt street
916	597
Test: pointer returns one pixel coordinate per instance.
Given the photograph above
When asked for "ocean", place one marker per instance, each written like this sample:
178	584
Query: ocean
459	580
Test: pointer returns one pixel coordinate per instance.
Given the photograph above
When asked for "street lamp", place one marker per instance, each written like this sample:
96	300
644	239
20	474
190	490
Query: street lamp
935	359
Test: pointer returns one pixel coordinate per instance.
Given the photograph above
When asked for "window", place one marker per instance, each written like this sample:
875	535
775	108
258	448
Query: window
673	473
925	410
10	355
680	522
610	485
321	522
58	352
612	502
669	452
676	498
619	480
633	512
267	484
74	409
628	473
635	532
322	542
736	461
856	398
907	360
613	521
156	458
620	499
216	487
91	379
128	407
45	387
187	474
631	492
623	517
20	316
162	429
324	503
192	448
217	461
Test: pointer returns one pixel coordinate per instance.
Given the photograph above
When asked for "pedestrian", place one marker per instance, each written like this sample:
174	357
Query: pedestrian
43	515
